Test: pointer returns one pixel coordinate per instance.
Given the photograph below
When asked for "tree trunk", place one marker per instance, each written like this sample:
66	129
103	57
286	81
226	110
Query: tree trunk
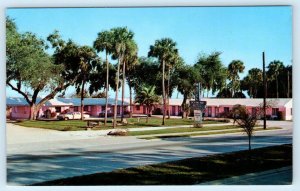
147	114
106	89
130	101
249	142
183	105
164	92
168	91
116	98
277	94
81	100
33	112
123	92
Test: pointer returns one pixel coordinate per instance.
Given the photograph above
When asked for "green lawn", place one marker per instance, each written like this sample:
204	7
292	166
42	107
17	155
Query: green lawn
235	130
77	125
181	130
190	171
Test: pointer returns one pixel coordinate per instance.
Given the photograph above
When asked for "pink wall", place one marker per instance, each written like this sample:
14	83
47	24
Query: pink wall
20	112
23	112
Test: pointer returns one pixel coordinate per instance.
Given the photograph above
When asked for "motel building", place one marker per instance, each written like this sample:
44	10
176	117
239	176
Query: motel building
18	108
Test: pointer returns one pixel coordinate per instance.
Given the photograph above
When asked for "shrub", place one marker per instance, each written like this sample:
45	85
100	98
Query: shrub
118	132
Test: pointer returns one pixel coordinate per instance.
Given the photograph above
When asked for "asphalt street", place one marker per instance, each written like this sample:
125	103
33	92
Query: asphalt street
33	162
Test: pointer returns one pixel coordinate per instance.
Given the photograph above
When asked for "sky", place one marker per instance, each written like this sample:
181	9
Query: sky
241	33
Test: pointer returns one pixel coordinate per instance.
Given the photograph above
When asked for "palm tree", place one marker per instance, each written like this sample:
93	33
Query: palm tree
104	43
130	58
212	72
234	68
146	96
163	49
174	62
121	38
274	69
253	82
131	75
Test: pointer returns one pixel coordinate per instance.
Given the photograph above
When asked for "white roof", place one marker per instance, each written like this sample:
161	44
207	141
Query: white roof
55	102
64	101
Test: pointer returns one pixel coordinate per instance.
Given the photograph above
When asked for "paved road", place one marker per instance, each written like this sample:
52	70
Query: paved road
40	161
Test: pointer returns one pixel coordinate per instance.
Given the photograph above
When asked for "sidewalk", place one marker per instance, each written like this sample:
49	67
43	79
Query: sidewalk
281	176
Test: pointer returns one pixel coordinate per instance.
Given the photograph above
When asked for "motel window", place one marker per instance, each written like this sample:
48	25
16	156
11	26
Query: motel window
275	111
76	108
254	111
87	108
102	108
58	109
226	109
137	108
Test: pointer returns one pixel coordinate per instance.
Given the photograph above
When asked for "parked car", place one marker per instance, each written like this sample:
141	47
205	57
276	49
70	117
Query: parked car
109	114
72	115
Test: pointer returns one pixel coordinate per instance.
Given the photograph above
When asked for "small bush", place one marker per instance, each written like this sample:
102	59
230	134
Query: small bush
198	125
118	132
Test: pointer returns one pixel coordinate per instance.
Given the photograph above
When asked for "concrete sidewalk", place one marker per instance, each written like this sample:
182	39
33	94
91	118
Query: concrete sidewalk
281	176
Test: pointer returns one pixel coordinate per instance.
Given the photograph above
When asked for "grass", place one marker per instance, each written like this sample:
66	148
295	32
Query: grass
206	133
181	130
190	171
77	125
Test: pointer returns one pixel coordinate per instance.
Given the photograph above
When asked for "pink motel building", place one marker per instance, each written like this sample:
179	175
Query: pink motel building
221	107
17	108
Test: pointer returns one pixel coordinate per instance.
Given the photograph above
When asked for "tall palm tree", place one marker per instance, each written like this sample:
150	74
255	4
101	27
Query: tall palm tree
163	49
121	38
174	62
146	96
131	75
104	43
130	58
234	68
253	82
211	70
274	69
86	59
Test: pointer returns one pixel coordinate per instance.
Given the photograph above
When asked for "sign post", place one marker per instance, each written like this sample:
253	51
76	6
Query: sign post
198	106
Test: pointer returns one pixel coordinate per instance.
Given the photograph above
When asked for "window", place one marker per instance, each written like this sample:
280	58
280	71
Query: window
226	109
275	111
253	111
58	109
75	108
102	108
85	108
209	111
137	108
216	111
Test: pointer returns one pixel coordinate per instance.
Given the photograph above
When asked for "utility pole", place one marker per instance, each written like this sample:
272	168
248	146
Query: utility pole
265	90
288	79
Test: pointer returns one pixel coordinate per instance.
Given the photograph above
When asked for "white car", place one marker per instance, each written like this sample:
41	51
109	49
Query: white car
72	115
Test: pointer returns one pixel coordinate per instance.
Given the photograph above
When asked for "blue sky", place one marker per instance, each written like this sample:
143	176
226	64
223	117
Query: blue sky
238	32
